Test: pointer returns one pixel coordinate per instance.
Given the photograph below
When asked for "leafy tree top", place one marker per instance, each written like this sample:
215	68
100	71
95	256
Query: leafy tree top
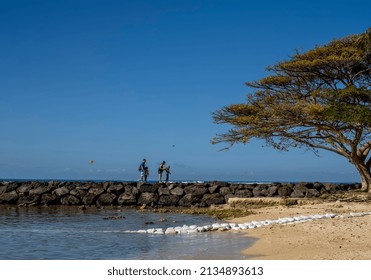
324	89
319	99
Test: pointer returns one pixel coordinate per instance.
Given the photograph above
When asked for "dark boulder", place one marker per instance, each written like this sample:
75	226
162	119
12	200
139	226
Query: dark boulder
10	186
260	190
177	191
147	198
106	185
220	183
163	191
214	189
127	199
284	190
189	200
92	195
304	184
84	186
299	191
225	191
331	188
323	191
246	186
3	189
144	187
89	199
344	187
96	191
36	184
318	186
272	191
312	193
196	190
171	186
78	193
61	191
213	199
49	199
69	184
24	189
106	199
234	187
70	200
29	199
41	190
243	193
9	197
131	189
51	184
116	189
168	200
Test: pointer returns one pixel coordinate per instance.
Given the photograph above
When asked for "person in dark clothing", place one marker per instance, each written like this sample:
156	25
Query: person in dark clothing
160	171
141	169
167	170
146	173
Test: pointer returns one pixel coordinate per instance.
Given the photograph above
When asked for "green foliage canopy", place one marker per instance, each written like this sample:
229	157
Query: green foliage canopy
319	99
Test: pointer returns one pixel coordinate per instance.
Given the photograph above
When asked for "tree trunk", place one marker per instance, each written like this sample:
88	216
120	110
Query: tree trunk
365	174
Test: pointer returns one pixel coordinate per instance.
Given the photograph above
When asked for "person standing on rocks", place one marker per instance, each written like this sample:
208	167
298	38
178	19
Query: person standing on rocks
160	171
141	169
146	173
167	170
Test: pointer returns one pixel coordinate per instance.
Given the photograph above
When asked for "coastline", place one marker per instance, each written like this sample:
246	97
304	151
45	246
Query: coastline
99	233
323	239
333	238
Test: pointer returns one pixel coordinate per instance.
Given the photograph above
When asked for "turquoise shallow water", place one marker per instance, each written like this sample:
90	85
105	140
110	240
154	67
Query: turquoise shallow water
69	233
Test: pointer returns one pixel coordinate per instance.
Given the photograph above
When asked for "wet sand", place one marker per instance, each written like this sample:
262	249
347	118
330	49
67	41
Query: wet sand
324	239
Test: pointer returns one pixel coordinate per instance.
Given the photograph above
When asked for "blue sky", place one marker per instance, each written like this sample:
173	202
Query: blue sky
118	81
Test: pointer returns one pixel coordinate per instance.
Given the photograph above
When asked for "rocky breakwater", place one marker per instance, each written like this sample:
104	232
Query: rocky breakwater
155	195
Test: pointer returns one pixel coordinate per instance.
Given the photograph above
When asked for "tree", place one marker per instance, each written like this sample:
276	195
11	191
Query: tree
319	99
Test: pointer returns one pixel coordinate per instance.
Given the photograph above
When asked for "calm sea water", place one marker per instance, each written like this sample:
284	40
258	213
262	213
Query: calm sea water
64	233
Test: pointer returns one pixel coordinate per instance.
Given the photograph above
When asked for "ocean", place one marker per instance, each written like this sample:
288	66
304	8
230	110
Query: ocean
69	233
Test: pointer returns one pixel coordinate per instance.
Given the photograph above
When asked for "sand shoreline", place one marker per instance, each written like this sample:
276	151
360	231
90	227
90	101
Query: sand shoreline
322	239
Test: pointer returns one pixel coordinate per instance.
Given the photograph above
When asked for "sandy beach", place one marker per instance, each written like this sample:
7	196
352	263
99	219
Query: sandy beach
324	239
